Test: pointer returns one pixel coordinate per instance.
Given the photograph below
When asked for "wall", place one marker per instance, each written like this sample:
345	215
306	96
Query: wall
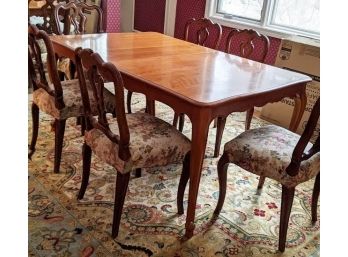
113	15
127	15
185	10
149	15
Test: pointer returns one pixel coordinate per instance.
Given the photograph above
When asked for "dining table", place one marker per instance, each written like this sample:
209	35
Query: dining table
195	80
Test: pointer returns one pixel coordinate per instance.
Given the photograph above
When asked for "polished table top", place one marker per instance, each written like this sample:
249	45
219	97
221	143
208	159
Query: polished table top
199	74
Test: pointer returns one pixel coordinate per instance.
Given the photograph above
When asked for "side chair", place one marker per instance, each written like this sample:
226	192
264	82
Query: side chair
75	18
202	32
276	153
46	13
242	43
46	21
59	99
126	142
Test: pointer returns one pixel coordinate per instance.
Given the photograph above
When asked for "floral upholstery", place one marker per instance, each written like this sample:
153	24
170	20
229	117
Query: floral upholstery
63	65
72	100
267	151
153	142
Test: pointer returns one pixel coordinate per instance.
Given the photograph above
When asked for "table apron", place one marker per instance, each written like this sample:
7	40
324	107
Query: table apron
154	93
219	109
245	103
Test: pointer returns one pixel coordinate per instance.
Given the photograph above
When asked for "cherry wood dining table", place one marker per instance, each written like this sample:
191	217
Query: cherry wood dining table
200	82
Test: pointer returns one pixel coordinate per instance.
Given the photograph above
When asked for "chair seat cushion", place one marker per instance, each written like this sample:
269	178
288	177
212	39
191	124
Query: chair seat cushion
267	151
153	142
63	65
72	100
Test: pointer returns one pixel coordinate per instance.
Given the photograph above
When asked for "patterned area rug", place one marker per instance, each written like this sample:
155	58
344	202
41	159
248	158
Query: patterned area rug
248	225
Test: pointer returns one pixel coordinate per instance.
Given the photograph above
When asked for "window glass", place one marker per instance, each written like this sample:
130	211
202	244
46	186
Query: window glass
297	14
250	9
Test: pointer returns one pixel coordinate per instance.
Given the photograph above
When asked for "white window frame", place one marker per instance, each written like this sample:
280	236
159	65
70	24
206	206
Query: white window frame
264	26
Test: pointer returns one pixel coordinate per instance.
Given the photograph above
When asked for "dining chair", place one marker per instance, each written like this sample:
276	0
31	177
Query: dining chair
44	18
199	31
59	99
247	43
276	153
203	32
75	16
126	142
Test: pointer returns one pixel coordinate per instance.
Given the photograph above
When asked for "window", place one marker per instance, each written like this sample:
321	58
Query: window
242	9
273	17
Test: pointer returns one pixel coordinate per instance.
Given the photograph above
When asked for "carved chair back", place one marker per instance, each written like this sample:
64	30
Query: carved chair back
203	32
46	12
37	73
299	153
93	70
75	14
242	43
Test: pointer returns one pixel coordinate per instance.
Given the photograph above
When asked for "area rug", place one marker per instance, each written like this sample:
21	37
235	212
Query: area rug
60	225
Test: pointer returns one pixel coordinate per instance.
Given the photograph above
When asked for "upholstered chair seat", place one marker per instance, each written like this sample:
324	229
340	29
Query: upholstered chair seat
72	100
274	152
128	141
153	142
267	152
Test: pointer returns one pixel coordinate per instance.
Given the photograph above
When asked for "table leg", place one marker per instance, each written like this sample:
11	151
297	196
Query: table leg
300	105
200	128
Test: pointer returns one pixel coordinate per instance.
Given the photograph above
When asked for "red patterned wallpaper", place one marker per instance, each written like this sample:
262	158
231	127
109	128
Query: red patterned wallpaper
113	15
187	9
149	15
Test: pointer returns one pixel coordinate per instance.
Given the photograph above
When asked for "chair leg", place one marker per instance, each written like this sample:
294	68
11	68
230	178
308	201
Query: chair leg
215	122
72	70
35	116
129	101
287	199
175	120
221	121
122	181
184	177
261	182
83	125
151	107
138	173
315	198
61	75
78	120
249	116
86	167
59	137
222	174
181	121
